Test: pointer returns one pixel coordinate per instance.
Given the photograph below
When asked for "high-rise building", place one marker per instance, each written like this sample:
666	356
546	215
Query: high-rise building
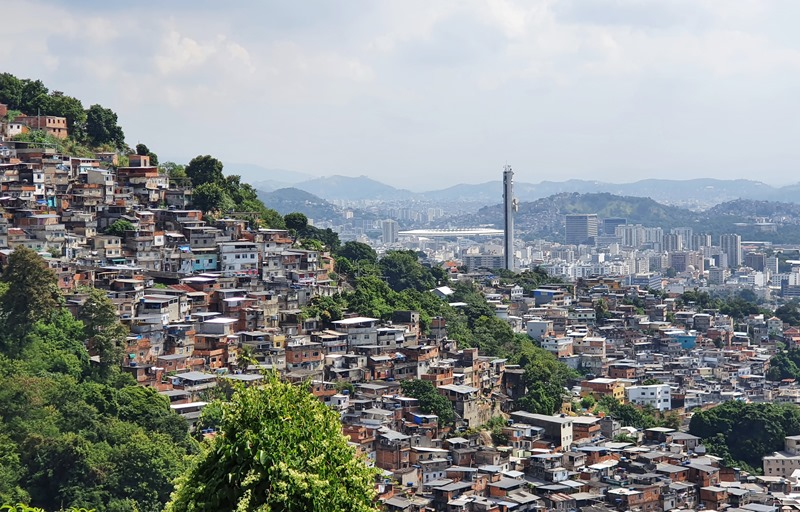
610	224
672	242
581	228
390	231
771	264
685	233
731	245
697	242
510	206
756	261
632	235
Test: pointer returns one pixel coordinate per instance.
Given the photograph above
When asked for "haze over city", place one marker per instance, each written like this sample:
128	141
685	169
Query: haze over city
424	95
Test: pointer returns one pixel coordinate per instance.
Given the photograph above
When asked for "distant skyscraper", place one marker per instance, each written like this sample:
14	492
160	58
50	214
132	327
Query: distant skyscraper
731	245
390	231
697	242
581	228
610	225
672	242
771	264
509	207
756	261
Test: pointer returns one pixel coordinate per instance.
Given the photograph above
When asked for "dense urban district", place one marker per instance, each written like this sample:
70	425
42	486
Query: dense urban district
168	341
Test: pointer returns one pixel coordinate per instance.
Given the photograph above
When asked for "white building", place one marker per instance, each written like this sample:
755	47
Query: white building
538	328
390	231
656	395
784	463
238	259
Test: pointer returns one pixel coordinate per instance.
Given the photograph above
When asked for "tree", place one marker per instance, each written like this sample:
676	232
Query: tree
789	313
119	227
430	400
97	312
295	221
70	108
176	172
10	91
143	150
33	97
32	293
357	251
402	270
745	432
210	197
279	449
102	127
204	169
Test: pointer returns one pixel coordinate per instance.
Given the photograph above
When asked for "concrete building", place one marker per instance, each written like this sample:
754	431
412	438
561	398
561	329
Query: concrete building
731	245
581	228
390	231
783	464
657	396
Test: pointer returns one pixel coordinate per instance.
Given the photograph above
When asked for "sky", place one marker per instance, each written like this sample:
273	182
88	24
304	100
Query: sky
426	94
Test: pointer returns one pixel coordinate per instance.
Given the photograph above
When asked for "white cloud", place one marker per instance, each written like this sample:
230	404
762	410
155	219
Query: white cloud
400	87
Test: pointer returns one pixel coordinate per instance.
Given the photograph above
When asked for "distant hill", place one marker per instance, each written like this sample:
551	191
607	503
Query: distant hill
544	218
353	189
696	194
288	200
263	178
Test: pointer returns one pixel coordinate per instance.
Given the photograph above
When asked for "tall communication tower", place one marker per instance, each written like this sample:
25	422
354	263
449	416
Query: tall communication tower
510	206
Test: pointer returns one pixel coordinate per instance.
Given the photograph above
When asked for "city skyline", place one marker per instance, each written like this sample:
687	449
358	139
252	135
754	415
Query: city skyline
414	95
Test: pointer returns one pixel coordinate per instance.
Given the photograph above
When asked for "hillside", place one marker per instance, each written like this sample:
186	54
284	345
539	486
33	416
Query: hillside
347	188
288	200
695	194
544	218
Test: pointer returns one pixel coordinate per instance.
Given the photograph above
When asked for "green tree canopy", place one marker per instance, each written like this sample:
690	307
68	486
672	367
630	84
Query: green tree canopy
102	127
402	270
119	227
742	432
279	449
204	169
59	104
295	221
210	197
430	400
32	293
789	313
143	150
358	251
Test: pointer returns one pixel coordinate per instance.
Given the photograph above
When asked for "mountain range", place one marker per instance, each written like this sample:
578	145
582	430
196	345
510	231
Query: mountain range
695	194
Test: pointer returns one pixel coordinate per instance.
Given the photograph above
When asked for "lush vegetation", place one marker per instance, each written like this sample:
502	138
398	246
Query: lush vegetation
633	416
279	448
529	280
743	433
119	227
398	281
789	313
784	365
96	126
430	400
737	306
310	237
217	194
75	432
20	507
